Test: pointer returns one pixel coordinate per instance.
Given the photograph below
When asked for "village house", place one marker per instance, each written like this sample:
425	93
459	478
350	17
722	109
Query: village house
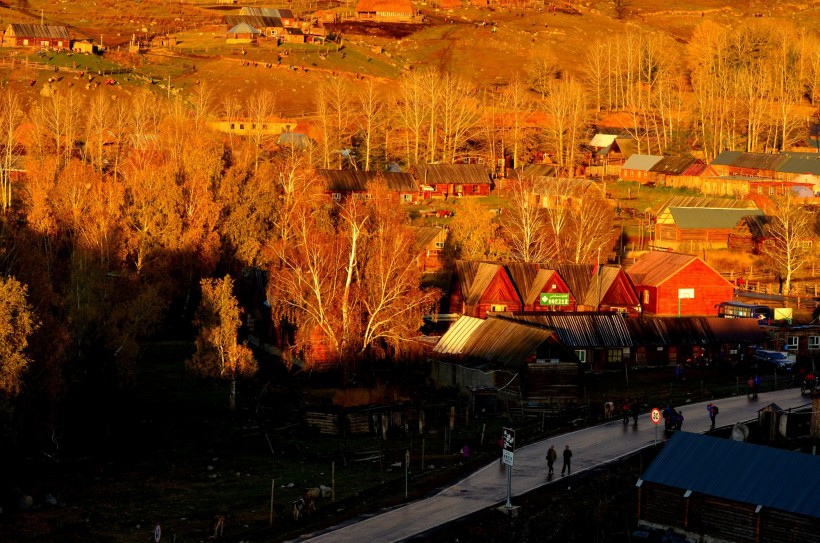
678	284
601	288
385	10
284	16
243	127
557	193
445	180
430	242
37	36
343	184
638	168
540	289
611	148
523	364
716	489
670	167
695	222
242	33
480	288
268	27
804	341
721	163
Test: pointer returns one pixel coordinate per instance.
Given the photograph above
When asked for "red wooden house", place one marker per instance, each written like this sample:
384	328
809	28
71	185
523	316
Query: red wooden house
444	180
481	288
430	242
600	288
541	289
678	284
341	184
39	36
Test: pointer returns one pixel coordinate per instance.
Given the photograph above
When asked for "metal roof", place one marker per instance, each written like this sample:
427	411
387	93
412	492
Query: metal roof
655	267
453	340
358	180
603	140
673	165
641	162
726	158
800	164
706	201
737	471
667	331
243	28
699	217
743	330
759	161
533	170
580	330
474	278
267	12
20	30
433	174
254	21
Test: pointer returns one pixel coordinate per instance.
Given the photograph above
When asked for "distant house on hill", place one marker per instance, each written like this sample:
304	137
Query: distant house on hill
678	284
341	184
39	36
611	149
243	33
637	168
385	10
702	221
269	27
284	15
444	180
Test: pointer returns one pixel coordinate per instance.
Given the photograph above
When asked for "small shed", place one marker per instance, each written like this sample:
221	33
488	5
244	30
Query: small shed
678	284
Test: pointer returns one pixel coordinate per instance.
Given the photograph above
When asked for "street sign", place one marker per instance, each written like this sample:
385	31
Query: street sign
508	436
554	298
157	533
656	415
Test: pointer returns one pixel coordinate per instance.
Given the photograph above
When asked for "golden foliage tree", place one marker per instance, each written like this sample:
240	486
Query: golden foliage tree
17	323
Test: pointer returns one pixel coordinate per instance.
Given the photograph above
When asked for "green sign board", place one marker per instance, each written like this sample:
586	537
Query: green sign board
554	298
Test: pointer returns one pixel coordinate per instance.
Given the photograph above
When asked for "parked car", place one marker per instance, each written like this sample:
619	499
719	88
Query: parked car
774	359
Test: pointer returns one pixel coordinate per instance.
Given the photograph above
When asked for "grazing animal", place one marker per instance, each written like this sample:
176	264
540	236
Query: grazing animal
303	506
609	410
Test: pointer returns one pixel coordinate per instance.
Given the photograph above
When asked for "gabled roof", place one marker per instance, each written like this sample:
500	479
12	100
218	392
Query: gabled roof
737	471
498	341
532	170
641	162
267	12
726	158
296	139
358	180
602	140
425	235
254	21
673	165
588	287
385	6
243	28
38	31
698	217
706	201
433	174
655	267
582	330
475	277
800	164
759	161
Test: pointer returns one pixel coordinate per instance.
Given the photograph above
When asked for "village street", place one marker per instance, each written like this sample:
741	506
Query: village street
591	448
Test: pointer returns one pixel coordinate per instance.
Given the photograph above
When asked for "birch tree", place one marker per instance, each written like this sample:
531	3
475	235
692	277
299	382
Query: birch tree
525	224
11	116
566	111
788	236
17	324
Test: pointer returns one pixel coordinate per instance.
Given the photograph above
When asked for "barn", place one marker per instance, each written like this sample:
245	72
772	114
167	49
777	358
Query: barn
678	284
717	489
385	10
340	184
39	36
696	222
540	288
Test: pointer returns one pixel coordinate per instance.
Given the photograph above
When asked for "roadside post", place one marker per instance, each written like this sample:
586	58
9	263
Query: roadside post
508	435
656	418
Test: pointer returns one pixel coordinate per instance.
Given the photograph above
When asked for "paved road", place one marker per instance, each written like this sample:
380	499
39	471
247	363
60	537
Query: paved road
591	447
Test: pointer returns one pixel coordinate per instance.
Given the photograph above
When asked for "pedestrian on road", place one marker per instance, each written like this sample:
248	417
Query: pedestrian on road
552	456
713	411
567	461
636	409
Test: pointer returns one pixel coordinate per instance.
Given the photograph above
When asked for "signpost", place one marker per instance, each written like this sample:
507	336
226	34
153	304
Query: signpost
683	294
508	437
554	298
656	418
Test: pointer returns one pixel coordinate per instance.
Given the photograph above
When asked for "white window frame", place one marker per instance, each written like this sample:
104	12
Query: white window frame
814	342
792	342
582	355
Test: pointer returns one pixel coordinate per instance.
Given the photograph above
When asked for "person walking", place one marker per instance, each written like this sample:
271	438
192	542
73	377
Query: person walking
713	411
636	410
567	461
552	456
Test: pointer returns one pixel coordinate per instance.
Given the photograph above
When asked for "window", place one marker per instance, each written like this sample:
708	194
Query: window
241	127
406	197
582	356
614	356
791	343
337	196
233	126
806	244
498	307
439	245
814	342
759	189
771	191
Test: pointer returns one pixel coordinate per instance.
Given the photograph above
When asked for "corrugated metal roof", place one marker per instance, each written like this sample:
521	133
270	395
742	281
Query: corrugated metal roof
20	30
673	165
581	330
759	161
698	217
255	22
474	278
243	28
504	342
736	330
726	158
665	331
425	235
742	472
641	162
433	174
655	267
801	164
532	170
267	12
357	180
706	201
454	339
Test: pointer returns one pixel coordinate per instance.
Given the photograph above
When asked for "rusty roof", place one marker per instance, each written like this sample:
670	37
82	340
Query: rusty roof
673	165
434	174
20	30
358	180
655	267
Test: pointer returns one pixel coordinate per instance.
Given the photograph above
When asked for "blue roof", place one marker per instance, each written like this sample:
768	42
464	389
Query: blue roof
742	472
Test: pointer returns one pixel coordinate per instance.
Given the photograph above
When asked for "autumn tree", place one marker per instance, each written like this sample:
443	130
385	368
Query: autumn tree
565	108
11	115
218	353
525	222
371	111
17	323
788	236
591	228
474	234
